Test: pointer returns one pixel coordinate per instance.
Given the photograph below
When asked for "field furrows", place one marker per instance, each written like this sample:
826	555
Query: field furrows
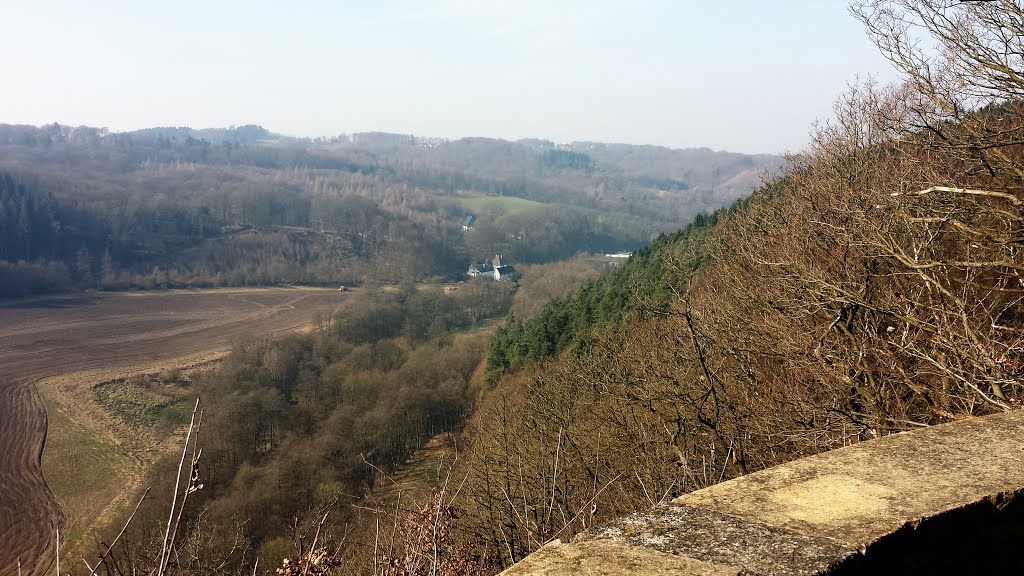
41	338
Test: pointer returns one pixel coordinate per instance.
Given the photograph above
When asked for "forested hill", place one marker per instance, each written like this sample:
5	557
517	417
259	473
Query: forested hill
83	208
640	289
874	287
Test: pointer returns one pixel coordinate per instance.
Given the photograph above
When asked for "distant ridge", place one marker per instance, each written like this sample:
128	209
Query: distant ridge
248	134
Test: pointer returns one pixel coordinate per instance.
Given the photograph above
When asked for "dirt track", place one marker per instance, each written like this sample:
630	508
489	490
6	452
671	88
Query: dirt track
48	337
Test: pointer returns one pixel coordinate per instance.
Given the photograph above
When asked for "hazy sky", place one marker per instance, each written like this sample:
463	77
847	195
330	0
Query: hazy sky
747	76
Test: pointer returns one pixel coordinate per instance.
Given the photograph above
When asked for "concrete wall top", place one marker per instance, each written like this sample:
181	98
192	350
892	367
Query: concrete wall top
825	514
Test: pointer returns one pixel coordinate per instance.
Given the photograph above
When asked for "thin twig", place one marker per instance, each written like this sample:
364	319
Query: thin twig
192	482
319	526
312	547
92	571
376	544
554	480
725	464
592	500
164	556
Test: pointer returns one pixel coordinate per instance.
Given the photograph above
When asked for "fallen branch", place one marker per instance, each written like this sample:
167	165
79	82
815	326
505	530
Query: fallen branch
967	191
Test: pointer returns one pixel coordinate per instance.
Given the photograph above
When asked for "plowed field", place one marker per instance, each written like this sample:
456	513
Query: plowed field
48	337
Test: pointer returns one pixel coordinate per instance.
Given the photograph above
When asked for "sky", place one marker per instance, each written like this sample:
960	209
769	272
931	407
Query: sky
744	75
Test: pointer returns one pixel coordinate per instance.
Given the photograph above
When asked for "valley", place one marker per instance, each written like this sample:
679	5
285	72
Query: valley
423	355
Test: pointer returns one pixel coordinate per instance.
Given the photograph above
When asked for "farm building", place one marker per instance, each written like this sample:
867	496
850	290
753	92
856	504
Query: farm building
484	270
496	269
507	272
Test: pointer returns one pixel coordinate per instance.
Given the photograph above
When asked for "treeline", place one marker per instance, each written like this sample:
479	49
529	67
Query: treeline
84	147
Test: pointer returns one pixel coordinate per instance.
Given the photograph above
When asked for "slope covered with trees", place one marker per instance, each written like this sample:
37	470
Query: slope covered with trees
84	208
874	287
642	287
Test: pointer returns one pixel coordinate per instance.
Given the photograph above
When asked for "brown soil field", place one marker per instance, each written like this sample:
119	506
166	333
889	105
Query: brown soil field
67	344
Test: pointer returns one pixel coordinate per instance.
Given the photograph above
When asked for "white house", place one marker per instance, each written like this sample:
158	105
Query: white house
506	272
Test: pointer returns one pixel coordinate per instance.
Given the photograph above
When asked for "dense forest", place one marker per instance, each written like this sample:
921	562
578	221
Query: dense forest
174	207
644	284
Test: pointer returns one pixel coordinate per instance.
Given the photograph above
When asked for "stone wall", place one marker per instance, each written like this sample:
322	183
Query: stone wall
937	500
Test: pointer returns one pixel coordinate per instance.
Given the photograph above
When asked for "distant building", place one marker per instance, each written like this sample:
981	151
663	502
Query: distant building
493	270
481	271
468	223
507	272
615	260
